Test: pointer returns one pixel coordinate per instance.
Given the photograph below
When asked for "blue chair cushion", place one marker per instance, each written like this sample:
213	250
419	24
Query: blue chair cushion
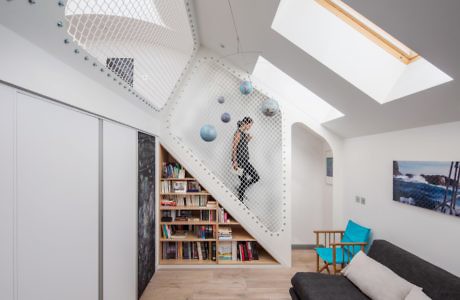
356	233
341	256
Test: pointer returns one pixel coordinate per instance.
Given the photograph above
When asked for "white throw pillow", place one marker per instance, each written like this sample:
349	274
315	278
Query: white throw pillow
416	293
375	280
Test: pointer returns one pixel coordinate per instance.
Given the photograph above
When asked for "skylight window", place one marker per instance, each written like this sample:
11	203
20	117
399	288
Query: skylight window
356	49
370	30
288	90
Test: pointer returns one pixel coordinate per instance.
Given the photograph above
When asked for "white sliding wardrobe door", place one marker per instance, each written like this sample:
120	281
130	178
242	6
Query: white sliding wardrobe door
7	120
120	212
57	202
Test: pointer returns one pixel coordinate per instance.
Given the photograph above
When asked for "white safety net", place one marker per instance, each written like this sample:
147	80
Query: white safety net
260	181
146	43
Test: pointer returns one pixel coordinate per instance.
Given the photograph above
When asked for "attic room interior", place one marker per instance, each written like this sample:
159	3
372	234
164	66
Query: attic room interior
229	149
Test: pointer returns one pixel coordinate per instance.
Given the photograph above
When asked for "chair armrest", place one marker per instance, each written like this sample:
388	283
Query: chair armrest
349	244
346	259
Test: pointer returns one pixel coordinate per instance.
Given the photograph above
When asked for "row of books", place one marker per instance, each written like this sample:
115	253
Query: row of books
189	250
185	231
195	201
223	216
188	215
224	233
173	170
238	251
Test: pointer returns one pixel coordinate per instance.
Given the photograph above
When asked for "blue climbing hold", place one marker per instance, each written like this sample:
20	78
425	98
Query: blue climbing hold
246	87
208	133
270	107
225	117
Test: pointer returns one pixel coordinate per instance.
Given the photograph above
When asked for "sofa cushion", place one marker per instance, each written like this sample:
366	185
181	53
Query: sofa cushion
416	293
325	287
375	280
436	282
293	294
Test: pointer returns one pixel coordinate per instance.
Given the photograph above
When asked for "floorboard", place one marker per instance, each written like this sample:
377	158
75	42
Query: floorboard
228	284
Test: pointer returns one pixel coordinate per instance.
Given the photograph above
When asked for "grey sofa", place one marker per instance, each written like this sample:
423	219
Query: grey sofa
436	282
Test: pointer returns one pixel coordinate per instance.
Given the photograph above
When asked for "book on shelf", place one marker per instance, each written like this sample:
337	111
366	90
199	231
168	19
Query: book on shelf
224	233
178	186
185	231
225	251
208	215
189	250
173	170
200	253
247	251
167	202
213	252
234	251
185	200
223	217
211	203
193	187
179	234
169	250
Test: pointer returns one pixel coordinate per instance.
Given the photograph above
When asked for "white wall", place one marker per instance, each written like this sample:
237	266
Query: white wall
26	65
57	195
368	173
311	195
7	191
120	212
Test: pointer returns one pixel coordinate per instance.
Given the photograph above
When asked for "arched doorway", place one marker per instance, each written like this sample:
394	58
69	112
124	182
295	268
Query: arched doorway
311	189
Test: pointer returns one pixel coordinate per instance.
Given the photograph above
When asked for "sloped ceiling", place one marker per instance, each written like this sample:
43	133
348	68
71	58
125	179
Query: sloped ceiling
429	27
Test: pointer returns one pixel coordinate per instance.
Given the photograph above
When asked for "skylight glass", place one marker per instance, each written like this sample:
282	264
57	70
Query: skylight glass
288	90
370	30
356	49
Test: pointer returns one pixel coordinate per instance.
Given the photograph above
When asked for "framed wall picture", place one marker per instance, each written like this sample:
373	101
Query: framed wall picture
432	185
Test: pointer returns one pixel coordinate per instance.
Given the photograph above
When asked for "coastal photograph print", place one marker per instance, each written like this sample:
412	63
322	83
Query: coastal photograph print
432	185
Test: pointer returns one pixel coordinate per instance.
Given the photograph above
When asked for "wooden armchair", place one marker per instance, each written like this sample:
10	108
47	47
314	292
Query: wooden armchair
337	247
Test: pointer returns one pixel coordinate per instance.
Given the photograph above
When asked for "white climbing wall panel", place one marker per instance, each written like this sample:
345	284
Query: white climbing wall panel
265	216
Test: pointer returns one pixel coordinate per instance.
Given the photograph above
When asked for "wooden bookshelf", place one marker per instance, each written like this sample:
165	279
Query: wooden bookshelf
264	259
185	194
189	223
239	234
179	179
230	222
181	261
187	208
186	239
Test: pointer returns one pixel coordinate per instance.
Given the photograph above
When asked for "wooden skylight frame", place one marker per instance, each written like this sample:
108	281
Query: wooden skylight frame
370	30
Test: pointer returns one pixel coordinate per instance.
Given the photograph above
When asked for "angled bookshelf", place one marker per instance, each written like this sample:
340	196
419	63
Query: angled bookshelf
195	228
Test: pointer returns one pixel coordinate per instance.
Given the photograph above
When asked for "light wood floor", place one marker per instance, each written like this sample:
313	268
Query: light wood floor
228	284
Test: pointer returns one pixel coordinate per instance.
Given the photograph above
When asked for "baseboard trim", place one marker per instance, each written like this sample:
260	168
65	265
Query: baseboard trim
303	246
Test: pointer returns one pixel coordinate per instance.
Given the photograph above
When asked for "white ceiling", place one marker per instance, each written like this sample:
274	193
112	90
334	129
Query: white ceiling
429	27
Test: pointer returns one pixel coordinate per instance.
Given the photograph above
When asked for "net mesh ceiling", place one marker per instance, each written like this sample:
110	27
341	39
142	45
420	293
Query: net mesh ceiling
146	43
